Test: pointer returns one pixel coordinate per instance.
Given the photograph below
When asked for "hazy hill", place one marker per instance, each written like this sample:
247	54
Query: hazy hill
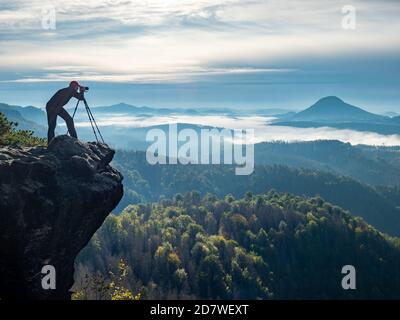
372	165
334	112
135	110
333	109
124	108
29	113
130	109
396	119
28	118
391	114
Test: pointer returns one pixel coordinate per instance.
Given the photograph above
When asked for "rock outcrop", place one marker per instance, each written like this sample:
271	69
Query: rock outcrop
52	200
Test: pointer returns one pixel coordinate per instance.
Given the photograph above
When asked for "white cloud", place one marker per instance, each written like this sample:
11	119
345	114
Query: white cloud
263	131
176	40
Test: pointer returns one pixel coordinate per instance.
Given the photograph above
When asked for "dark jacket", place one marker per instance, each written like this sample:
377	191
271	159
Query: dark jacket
62	97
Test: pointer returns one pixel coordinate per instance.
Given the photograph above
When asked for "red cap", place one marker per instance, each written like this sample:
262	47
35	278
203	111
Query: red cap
74	84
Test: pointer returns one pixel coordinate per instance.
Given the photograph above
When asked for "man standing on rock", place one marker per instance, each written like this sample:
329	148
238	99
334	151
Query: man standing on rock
55	108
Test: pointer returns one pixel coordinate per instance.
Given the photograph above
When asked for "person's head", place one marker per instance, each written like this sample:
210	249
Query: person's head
74	85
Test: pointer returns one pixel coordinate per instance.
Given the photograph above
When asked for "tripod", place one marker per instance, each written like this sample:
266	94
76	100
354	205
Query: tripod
91	119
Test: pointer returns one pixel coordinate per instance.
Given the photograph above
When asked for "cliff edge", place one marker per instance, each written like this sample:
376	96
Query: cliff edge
52	200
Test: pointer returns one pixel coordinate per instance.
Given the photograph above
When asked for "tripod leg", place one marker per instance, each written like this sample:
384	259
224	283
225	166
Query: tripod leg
94	121
73	115
91	123
76	108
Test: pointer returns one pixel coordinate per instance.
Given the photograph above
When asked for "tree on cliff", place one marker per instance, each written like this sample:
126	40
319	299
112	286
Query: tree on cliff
9	135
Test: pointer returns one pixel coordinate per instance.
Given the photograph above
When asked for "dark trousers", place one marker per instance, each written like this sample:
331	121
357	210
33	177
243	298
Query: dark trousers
52	114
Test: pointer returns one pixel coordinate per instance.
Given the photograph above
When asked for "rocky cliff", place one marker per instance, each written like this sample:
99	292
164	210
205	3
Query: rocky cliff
52	200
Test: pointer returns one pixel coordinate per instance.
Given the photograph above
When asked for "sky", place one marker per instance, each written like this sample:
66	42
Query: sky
203	53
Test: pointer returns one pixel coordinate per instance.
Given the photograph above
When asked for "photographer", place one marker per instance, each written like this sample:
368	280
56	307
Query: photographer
55	108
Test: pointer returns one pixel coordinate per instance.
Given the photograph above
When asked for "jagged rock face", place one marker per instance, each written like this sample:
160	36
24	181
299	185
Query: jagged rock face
52	200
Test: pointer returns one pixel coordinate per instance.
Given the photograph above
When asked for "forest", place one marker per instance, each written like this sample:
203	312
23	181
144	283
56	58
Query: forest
378	205
272	245
374	165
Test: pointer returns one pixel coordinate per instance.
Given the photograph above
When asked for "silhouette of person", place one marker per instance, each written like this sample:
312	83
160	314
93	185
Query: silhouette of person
54	108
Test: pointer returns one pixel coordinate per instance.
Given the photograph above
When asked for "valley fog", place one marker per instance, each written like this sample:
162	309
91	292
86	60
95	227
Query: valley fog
264	132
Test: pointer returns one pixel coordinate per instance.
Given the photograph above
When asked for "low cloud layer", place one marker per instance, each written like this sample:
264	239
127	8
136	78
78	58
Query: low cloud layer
263	131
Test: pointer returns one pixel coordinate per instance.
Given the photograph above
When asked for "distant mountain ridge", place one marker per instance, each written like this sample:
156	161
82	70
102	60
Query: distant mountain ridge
391	114
28	118
144	110
29	113
332	108
127	108
335	113
329	111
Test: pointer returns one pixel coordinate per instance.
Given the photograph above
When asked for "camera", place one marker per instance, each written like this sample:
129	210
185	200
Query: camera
84	89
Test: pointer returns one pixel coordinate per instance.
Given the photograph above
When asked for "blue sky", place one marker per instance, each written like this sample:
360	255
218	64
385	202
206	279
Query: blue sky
202	53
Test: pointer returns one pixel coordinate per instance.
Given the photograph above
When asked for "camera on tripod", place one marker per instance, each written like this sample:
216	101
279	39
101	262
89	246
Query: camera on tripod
93	122
83	89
